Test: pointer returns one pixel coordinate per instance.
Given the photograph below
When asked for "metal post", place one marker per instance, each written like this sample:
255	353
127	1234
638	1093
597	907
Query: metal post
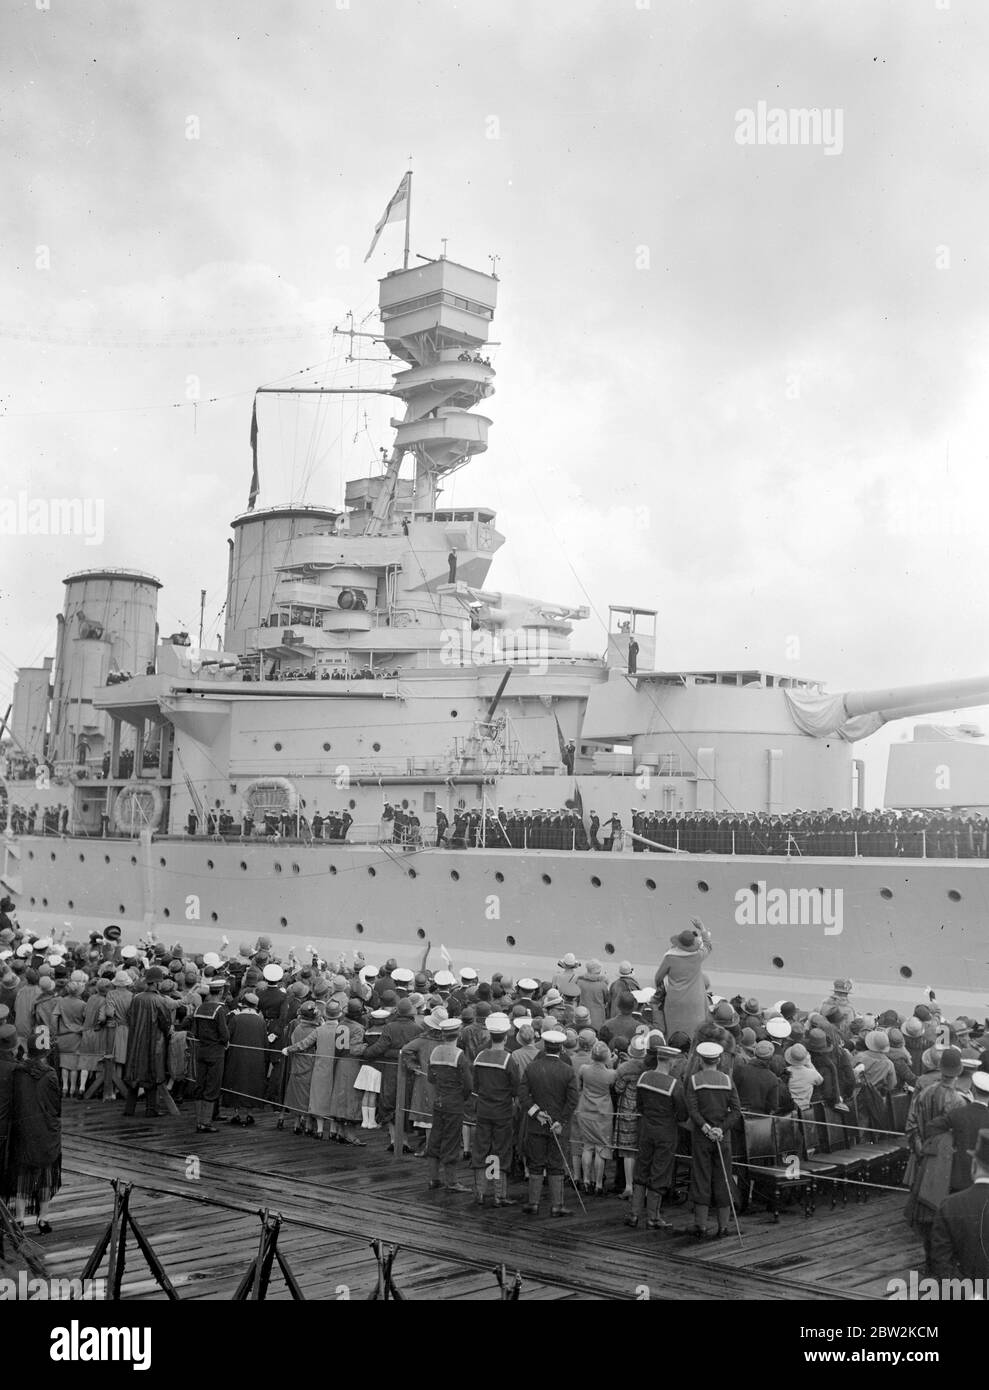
408	219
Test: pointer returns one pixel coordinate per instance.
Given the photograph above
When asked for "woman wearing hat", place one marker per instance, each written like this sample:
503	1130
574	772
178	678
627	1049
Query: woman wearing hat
929	1166
93	1042
416	1055
627	1114
301	1062
244	1063
67	1025
681	976
594	1116
346	1106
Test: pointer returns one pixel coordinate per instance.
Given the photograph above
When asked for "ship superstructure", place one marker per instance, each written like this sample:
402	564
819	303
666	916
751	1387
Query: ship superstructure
368	664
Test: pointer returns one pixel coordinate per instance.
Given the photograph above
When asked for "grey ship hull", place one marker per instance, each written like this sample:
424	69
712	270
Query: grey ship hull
901	925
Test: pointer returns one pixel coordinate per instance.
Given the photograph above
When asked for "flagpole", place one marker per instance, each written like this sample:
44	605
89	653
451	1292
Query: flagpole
408	218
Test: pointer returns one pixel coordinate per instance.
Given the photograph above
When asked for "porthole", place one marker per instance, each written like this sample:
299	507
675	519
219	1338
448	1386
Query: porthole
33	901
754	889
162	863
352	805
283	921
106	859
454	875
371	873
122	910
243	865
906	972
499	877
595	880
296	869
71	905
326	747
278	747
213	917
413	874
886	893
82	859
701	886
421	934
277	867
547	879
133	861
609	950
133	858
30	855
651	884
510	940
376	747
453	714
166	913
778	962
359	929
333	868
209	863
44	903
954	895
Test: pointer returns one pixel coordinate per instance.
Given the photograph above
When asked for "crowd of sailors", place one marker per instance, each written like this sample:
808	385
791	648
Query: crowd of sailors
613	1086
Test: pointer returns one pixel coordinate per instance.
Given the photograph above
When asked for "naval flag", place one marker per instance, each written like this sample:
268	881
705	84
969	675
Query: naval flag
255	481
397	208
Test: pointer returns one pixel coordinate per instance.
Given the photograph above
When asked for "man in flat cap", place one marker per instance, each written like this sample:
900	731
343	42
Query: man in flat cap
548	1096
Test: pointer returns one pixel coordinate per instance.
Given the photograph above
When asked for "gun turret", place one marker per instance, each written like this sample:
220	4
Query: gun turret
858	713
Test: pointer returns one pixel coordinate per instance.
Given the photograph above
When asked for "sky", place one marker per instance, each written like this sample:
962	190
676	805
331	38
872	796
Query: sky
737	382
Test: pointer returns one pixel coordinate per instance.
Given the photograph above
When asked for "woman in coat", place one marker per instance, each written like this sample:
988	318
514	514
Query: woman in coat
244	1063
627	1118
33	1170
67	1024
93	1042
682	977
324	1042
594	1116
346	1107
301	1058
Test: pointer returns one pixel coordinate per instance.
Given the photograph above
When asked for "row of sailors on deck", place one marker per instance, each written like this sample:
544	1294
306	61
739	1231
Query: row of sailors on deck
282	825
932	834
32	820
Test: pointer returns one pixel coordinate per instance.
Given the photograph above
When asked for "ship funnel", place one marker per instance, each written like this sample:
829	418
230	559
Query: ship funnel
858	713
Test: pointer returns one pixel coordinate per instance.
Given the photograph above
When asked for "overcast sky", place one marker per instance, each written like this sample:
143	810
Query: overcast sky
742	384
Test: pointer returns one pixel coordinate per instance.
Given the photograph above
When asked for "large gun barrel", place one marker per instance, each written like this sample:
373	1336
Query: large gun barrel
906	701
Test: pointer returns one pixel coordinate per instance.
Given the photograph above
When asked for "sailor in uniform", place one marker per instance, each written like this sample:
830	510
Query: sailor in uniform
449	1074
659	1100
210	1032
496	1085
548	1095
712	1104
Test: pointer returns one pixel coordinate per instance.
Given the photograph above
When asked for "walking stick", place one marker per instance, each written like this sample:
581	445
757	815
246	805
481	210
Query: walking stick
566	1167
731	1202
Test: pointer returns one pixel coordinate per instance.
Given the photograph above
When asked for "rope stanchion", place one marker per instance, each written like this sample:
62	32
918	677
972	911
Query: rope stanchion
385	1290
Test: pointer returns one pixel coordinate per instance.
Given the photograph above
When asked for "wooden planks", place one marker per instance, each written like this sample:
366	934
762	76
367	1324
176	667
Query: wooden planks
197	1197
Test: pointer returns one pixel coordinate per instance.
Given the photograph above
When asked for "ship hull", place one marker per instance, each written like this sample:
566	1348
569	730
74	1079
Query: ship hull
782	928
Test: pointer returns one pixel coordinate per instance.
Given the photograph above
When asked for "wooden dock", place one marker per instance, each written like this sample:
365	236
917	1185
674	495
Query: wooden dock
197	1197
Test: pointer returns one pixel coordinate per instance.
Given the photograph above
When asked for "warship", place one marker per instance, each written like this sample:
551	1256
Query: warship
372	686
